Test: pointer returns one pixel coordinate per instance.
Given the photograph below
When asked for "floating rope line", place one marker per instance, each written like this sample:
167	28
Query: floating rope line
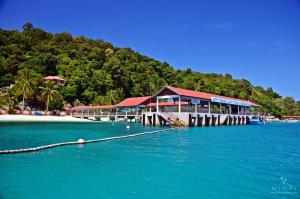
81	142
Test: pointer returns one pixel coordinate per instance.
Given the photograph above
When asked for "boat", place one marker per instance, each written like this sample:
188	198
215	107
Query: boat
255	120
290	121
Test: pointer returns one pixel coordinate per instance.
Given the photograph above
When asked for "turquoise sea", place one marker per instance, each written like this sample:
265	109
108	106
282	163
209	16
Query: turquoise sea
261	161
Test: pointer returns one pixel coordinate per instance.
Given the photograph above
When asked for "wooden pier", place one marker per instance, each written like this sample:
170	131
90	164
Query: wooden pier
174	107
109	116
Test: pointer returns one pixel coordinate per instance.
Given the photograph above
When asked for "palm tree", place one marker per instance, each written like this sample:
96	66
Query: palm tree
112	97
26	83
50	93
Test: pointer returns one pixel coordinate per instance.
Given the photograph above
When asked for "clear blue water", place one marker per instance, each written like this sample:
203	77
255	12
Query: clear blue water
209	162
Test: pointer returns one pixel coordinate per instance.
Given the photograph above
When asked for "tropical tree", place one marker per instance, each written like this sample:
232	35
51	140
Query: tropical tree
112	97
28	26
99	73
290	106
50	93
9	101
26	83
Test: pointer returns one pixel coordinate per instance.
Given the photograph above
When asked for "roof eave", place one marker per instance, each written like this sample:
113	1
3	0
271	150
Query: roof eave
168	87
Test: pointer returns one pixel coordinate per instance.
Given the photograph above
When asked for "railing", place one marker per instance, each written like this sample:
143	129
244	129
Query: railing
165	109
187	108
87	113
133	113
184	109
108	113
216	111
202	110
168	109
173	118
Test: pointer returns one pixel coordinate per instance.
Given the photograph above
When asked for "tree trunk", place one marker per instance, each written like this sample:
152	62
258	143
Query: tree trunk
47	105
23	102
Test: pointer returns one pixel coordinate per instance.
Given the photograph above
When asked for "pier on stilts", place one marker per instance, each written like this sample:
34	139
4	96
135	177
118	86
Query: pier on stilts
186	108
172	106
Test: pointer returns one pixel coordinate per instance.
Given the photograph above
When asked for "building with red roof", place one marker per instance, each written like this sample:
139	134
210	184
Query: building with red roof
169	99
56	79
133	105
194	101
128	108
134	102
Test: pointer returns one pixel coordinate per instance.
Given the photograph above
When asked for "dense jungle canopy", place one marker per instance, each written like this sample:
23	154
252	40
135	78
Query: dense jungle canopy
99	73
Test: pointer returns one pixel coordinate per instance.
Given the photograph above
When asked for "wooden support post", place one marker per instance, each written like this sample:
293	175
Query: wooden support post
199	121
179	104
156	104
190	119
154	120
209	107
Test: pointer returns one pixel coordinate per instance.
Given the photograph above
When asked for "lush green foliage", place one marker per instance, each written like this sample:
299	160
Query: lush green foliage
50	93
26	82
99	73
9	101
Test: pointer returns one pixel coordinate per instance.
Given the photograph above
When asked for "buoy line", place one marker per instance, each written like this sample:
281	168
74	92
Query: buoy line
80	141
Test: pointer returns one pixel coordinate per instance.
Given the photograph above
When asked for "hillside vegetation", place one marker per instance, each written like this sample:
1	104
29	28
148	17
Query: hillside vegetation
99	73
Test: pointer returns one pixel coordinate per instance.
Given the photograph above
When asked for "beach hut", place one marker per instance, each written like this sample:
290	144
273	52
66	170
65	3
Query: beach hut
56	79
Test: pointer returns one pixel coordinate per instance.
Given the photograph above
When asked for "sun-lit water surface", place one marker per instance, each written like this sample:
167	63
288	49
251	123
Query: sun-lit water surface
209	162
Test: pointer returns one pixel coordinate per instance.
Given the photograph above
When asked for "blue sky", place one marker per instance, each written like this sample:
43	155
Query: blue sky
257	40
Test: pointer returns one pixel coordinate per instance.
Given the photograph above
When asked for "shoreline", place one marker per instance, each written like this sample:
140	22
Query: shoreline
34	118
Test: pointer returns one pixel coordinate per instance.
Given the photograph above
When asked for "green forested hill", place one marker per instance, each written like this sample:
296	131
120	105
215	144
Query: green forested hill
99	73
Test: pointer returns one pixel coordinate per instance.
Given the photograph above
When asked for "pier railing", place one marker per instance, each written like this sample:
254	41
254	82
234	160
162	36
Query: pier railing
93	114
184	109
187	109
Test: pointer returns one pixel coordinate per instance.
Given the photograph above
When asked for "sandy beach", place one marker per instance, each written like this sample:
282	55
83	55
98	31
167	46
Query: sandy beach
33	118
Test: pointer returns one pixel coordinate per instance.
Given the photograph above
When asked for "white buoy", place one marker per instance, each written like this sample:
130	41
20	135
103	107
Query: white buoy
80	141
128	127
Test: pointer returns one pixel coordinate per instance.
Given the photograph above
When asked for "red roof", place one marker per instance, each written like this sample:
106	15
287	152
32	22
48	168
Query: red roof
153	104
133	101
190	93
202	95
54	78
251	103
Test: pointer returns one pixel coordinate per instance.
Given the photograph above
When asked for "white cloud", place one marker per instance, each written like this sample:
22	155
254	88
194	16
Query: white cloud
220	26
280	45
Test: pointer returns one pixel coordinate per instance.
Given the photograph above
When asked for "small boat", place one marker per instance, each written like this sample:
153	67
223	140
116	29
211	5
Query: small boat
290	121
255	120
